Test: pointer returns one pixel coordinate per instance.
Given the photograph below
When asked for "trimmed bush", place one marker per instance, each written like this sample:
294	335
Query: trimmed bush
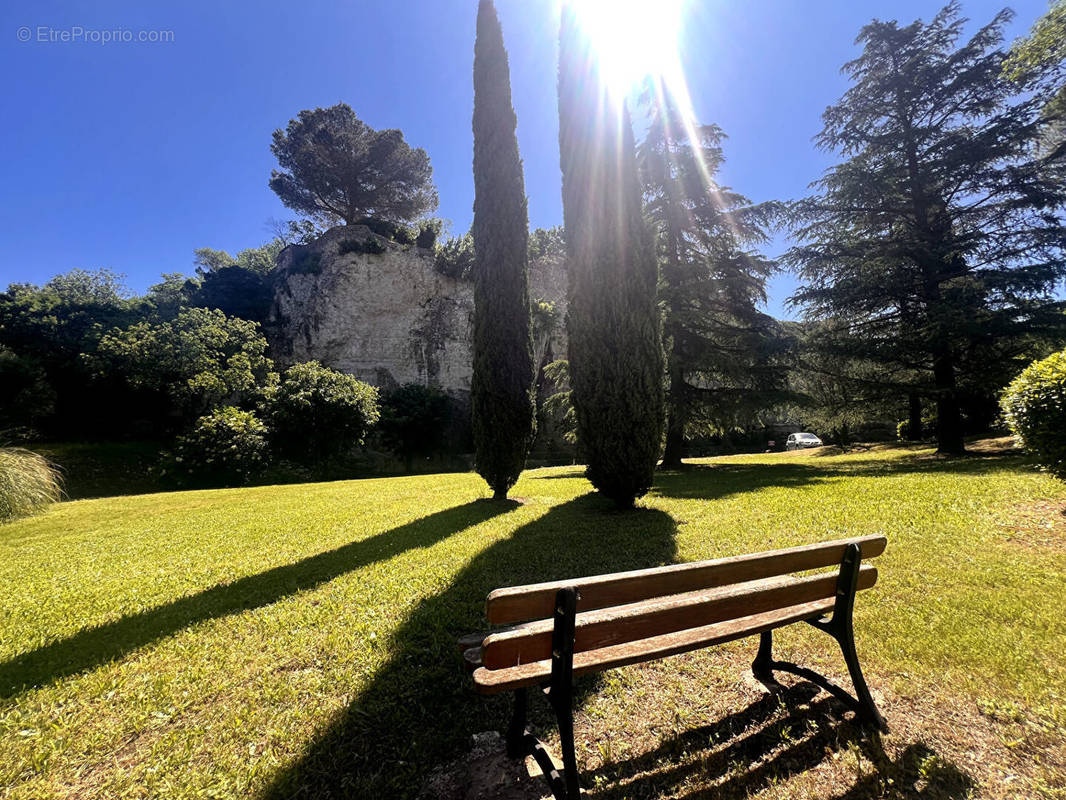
226	447
1034	407
414	419
317	413
28	483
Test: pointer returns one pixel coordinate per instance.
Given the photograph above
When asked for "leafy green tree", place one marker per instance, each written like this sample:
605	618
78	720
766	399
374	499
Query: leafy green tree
49	330
1044	46
336	168
200	360
101	287
547	244
236	292
1044	50
174	292
832	394
240	286
722	352
937	242
26	397
501	388
317	413
413	421
615	347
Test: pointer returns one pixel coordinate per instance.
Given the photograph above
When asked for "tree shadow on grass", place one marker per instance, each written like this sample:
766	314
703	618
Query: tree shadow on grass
717	481
775	738
95	646
420	709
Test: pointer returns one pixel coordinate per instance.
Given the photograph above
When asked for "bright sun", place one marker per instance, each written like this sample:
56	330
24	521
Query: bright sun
632	38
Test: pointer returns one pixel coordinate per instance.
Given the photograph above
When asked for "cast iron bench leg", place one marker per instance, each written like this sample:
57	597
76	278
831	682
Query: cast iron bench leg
561	692
840	627
762	666
516	731
843	631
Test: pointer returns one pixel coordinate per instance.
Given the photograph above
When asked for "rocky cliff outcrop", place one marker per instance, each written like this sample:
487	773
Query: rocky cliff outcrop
379	310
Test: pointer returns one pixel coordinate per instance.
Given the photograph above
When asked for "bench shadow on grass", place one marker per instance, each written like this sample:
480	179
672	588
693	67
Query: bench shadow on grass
775	738
95	646
420	709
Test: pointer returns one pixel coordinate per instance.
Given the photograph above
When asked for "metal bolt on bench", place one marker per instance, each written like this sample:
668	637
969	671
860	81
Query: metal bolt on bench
643	615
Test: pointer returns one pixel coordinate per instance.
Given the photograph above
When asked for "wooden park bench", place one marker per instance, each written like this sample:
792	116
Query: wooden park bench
563	629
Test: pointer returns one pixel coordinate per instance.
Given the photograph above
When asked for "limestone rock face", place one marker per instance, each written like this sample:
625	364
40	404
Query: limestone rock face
370	307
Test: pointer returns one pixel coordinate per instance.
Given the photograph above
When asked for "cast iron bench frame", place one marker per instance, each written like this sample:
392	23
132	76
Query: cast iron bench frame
645	615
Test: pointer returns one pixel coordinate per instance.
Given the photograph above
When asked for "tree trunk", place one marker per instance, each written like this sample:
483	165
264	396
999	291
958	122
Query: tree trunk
676	414
914	421
949	439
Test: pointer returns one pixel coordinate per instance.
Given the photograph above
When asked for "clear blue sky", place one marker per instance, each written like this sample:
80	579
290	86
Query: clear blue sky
130	155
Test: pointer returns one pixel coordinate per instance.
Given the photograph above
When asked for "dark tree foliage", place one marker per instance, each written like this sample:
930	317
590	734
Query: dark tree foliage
237	292
414	421
834	395
336	168
240	286
937	242
501	389
615	348
722	353
48	333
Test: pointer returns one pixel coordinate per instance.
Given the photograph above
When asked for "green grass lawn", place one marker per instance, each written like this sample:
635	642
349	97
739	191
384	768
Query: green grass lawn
299	640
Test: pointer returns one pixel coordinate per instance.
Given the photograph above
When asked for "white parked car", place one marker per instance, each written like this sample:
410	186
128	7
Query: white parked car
798	441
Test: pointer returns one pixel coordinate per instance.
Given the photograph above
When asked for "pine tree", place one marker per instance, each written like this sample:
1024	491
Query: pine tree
615	349
501	389
721	350
937	243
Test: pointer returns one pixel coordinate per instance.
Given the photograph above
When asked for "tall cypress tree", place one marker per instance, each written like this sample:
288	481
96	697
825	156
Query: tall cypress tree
616	359
501	390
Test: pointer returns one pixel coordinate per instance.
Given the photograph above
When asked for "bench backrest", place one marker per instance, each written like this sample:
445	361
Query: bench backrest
670	598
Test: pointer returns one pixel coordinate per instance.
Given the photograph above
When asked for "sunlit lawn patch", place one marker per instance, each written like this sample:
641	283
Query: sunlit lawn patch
299	639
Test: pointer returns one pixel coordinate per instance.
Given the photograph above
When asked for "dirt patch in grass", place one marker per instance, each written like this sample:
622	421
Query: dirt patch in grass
999	445
1038	525
699	726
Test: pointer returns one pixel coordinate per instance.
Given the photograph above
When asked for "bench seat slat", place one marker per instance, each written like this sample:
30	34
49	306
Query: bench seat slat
534	601
637	621
489	681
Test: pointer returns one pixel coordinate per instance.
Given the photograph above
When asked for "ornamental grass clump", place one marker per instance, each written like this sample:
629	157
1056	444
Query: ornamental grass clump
28	483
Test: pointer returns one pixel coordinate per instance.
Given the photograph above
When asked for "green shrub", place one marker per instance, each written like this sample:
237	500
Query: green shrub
1034	407
904	432
455	257
28	483
370	244
226	447
414	420
317	413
